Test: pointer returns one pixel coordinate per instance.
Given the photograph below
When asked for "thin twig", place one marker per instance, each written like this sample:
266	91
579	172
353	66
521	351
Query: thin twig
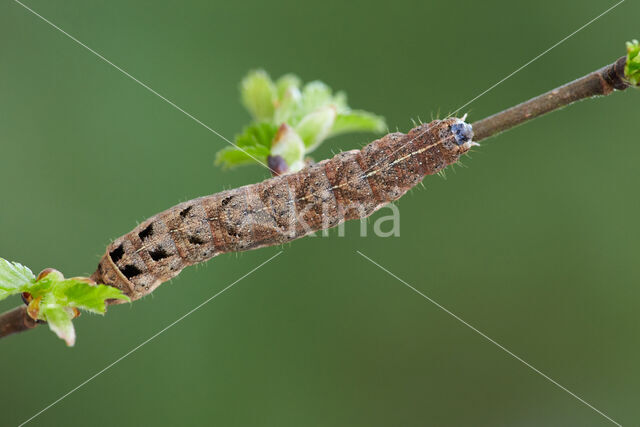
601	82
16	320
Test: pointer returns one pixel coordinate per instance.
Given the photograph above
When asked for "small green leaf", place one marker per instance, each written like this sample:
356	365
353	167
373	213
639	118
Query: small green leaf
340	101
230	157
313	110
632	67
258	135
80	294
285	83
259	94
14	278
255	142
288	144
55	299
288	106
59	320
42	286
316	126
315	95
358	121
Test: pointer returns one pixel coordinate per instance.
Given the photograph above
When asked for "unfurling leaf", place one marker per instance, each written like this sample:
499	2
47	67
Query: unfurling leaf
632	67
316	126
54	299
288	145
59	320
288	106
357	121
315	95
14	278
80	294
252	145
287	82
259	95
257	135
230	157
312	111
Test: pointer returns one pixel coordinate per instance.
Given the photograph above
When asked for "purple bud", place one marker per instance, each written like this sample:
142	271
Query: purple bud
277	164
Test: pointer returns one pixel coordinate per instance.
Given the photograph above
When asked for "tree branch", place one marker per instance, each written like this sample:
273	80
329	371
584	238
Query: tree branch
16	320
601	82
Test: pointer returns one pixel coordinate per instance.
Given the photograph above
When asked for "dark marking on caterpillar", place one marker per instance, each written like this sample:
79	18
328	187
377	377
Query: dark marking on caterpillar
117	253
158	254
351	185
130	271
147	232
185	212
196	240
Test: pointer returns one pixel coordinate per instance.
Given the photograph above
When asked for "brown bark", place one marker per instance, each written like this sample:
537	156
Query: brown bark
16	320
601	82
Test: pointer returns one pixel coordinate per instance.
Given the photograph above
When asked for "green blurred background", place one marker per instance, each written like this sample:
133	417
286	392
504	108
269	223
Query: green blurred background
535	242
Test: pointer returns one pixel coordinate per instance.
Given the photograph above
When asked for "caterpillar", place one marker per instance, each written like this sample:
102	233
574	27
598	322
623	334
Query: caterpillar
351	185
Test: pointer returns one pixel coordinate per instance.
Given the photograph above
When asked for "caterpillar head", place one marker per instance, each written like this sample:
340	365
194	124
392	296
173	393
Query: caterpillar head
462	134
443	140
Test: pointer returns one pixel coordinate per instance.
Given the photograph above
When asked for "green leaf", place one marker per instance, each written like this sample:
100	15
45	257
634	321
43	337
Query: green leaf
632	67
255	142
60	296
288	144
315	127
14	278
54	298
358	121
288	106
257	135
59	320
314	112
259	94
285	83
315	95
80	294
340	102
231	157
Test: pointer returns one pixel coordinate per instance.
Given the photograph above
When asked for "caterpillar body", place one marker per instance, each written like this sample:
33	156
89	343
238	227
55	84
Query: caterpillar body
351	185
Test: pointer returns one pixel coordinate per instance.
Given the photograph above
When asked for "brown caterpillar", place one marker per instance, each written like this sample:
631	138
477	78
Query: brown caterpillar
351	185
